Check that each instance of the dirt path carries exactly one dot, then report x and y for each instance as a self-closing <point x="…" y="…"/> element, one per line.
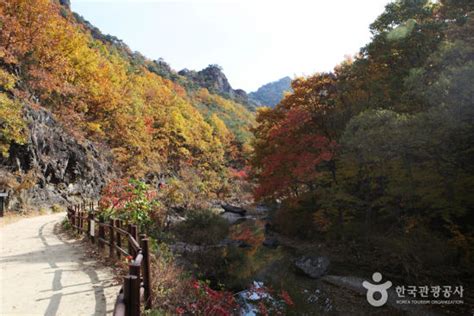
<point x="44" y="274"/>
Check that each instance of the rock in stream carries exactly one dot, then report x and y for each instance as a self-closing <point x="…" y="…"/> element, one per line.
<point x="313" y="266"/>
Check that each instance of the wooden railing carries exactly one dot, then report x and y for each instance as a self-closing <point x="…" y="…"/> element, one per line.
<point x="121" y="240"/>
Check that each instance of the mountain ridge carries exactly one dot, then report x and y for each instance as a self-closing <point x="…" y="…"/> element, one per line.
<point x="212" y="77"/>
<point x="270" y="94"/>
<point x="155" y="123"/>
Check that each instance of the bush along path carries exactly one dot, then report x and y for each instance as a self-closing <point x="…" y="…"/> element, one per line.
<point x="43" y="273"/>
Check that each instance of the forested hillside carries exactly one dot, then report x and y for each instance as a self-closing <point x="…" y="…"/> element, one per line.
<point x="376" y="156"/>
<point x="273" y="203"/>
<point x="271" y="93"/>
<point x="100" y="91"/>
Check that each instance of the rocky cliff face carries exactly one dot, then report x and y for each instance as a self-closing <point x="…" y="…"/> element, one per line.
<point x="52" y="167"/>
<point x="66" y="3"/>
<point x="213" y="79"/>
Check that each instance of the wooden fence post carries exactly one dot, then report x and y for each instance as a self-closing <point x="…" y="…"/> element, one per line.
<point x="134" y="296"/>
<point x="74" y="218"/>
<point x="81" y="222"/>
<point x="118" y="237"/>
<point x="73" y="214"/>
<point x="126" y="294"/>
<point x="91" y="227"/>
<point x="79" y="218"/>
<point x="101" y="232"/>
<point x="78" y="221"/>
<point x="130" y="248"/>
<point x="112" y="239"/>
<point x="79" y="214"/>
<point x="135" y="232"/>
<point x="134" y="271"/>
<point x="146" y="271"/>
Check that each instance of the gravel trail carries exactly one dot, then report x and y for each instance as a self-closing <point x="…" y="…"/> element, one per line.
<point x="42" y="273"/>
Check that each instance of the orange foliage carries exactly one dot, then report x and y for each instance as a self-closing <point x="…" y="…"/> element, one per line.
<point x="149" y="122"/>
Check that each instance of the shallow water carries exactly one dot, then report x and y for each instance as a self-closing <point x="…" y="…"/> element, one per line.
<point x="274" y="269"/>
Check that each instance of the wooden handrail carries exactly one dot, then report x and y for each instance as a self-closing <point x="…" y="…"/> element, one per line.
<point x="137" y="284"/>
<point x="134" y="243"/>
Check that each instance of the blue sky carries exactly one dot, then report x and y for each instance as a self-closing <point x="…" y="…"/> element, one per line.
<point x="255" y="41"/>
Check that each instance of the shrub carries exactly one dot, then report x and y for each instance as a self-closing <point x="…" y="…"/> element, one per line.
<point x="43" y="211"/>
<point x="406" y="253"/>
<point x="208" y="301"/>
<point x="188" y="190"/>
<point x="66" y="224"/>
<point x="132" y="200"/>
<point x="168" y="281"/>
<point x="296" y="221"/>
<point x="56" y="208"/>
<point x="175" y="292"/>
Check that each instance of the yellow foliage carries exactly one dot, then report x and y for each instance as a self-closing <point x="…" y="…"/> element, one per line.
<point x="12" y="125"/>
<point x="150" y="123"/>
<point x="7" y="80"/>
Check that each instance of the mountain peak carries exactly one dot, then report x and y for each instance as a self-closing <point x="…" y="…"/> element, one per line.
<point x="213" y="79"/>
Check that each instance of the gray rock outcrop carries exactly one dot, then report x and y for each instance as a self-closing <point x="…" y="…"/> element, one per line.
<point x="313" y="266"/>
<point x="60" y="169"/>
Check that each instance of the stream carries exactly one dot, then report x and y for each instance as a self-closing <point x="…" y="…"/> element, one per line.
<point x="269" y="264"/>
<point x="267" y="272"/>
<point x="260" y="267"/>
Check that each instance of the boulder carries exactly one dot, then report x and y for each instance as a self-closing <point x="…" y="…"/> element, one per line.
<point x="234" y="209"/>
<point x="271" y="242"/>
<point x="173" y="219"/>
<point x="183" y="248"/>
<point x="313" y="266"/>
<point x="232" y="218"/>
<point x="262" y="208"/>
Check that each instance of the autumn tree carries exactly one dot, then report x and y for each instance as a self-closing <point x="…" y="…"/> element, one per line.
<point x="100" y="90"/>
<point x="400" y="113"/>
<point x="295" y="139"/>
